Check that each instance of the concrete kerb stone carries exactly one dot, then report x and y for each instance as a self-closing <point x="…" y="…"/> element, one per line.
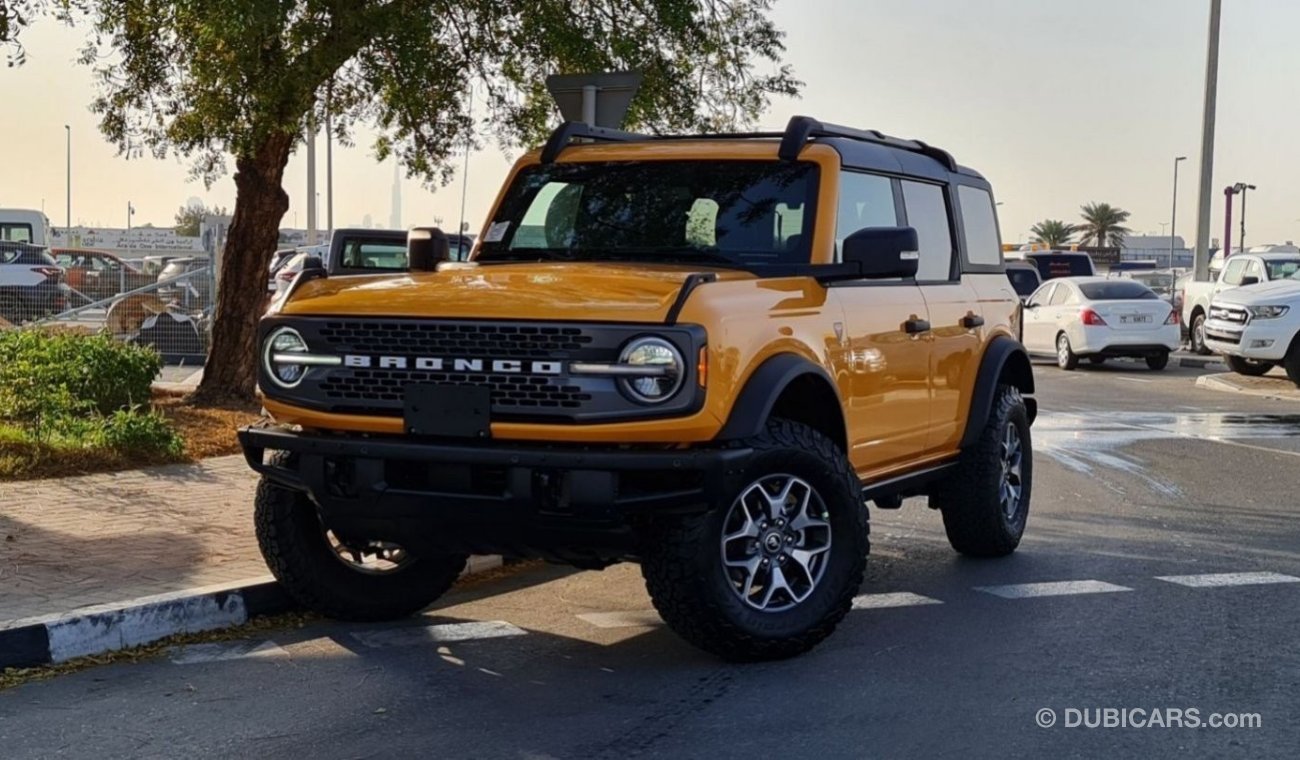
<point x="1265" y="387"/>
<point x="52" y="639"/>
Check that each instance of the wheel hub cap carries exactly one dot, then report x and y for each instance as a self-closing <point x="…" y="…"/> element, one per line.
<point x="776" y="542"/>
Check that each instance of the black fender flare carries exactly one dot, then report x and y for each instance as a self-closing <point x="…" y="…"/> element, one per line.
<point x="754" y="403"/>
<point x="1004" y="355"/>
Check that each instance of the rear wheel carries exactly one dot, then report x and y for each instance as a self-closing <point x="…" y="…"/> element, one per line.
<point x="1196" y="335"/>
<point x="1158" y="361"/>
<point x="1248" y="367"/>
<point x="1065" y="357"/>
<point x="347" y="579"/>
<point x="1292" y="362"/>
<point x="769" y="574"/>
<point x="985" y="503"/>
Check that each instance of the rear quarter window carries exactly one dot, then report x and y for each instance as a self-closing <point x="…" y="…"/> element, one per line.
<point x="980" y="226"/>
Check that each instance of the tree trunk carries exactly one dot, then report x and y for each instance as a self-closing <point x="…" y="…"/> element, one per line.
<point x="230" y="374"/>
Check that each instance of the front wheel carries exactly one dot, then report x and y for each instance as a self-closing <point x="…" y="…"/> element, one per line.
<point x="770" y="573"/>
<point x="346" y="580"/>
<point x="1197" y="335"/>
<point x="985" y="502"/>
<point x="1158" y="361"/>
<point x="1247" y="367"/>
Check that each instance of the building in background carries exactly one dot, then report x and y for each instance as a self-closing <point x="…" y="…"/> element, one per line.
<point x="395" y="221"/>
<point x="1157" y="248"/>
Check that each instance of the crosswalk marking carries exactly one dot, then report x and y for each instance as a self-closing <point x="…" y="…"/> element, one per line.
<point x="894" y="599"/>
<point x="624" y="619"/>
<point x="1213" y="580"/>
<point x="437" y="634"/>
<point x="1054" y="588"/>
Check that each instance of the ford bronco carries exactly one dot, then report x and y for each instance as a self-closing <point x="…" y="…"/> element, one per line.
<point x="706" y="354"/>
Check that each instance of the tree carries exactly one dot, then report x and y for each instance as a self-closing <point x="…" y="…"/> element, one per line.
<point x="1053" y="232"/>
<point x="243" y="78"/>
<point x="1104" y="224"/>
<point x="190" y="216"/>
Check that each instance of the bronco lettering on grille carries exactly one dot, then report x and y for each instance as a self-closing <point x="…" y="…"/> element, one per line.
<point x="437" y="364"/>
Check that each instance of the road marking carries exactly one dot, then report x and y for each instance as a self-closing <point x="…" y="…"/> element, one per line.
<point x="1054" y="588"/>
<point x="437" y="634"/>
<point x="626" y="619"/>
<point x="895" y="599"/>
<point x="1133" y="379"/>
<point x="194" y="654"/>
<point x="1215" y="580"/>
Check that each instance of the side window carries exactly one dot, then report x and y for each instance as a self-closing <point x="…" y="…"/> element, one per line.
<point x="980" y="226"/>
<point x="866" y="200"/>
<point x="1040" y="298"/>
<point x="1233" y="273"/>
<point x="1061" y="296"/>
<point x="927" y="213"/>
<point x="1253" y="269"/>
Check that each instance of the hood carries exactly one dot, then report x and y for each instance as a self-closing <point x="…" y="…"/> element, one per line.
<point x="562" y="291"/>
<point x="1263" y="294"/>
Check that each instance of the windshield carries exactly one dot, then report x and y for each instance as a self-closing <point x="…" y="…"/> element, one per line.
<point x="1116" y="290"/>
<point x="731" y="213"/>
<point x="1280" y="270"/>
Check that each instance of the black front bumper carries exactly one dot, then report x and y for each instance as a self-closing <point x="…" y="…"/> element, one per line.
<point x="491" y="497"/>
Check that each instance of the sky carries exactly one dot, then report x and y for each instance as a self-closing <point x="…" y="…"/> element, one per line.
<point x="1057" y="102"/>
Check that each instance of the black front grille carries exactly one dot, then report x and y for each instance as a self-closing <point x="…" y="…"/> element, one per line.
<point x="362" y="387"/>
<point x="504" y="341"/>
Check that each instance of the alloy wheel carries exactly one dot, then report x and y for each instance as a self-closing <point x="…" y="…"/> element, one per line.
<point x="776" y="541"/>
<point x="1011" y="484"/>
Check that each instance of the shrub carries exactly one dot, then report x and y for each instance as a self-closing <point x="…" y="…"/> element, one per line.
<point x="139" y="432"/>
<point x="45" y="375"/>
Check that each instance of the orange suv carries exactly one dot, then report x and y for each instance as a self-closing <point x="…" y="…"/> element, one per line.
<point x="703" y="353"/>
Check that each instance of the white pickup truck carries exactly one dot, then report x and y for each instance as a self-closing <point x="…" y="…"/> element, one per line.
<point x="1241" y="269"/>
<point x="1257" y="328"/>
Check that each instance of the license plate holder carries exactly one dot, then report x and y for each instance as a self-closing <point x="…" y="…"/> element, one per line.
<point x="455" y="411"/>
<point x="1135" y="319"/>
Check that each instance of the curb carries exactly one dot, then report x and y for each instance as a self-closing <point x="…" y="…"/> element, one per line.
<point x="52" y="639"/>
<point x="1201" y="362"/>
<point x="1225" y="384"/>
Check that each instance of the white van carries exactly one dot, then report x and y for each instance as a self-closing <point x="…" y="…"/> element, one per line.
<point x="21" y="225"/>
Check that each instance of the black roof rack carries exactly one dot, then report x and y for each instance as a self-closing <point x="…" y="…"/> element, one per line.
<point x="797" y="133"/>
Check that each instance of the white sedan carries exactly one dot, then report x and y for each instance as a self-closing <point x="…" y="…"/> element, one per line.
<point x="1099" y="319"/>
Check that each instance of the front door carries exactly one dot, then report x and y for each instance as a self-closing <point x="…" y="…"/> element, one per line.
<point x="1039" y="326"/>
<point x="885" y="339"/>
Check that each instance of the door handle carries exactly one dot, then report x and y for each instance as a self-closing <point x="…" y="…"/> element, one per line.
<point x="914" y="326"/>
<point x="970" y="321"/>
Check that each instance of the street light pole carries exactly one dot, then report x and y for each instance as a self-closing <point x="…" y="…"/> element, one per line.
<point x="1173" y="217"/>
<point x="1202" y="252"/>
<point x="1242" y="187"/>
<point x="68" y="129"/>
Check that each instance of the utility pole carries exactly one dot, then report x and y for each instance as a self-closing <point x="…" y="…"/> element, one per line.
<point x="130" y="210"/>
<point x="1173" y="217"/>
<point x="464" y="175"/>
<point x="1228" y="192"/>
<point x="329" y="157"/>
<point x="311" y="180"/>
<point x="1202" y="252"/>
<point x="1242" y="187"/>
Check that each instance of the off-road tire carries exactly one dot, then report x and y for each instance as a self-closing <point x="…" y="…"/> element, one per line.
<point x="1247" y="367"/>
<point x="1158" y="362"/>
<point x="1066" y="359"/>
<point x="1196" y="335"/>
<point x="969" y="500"/>
<point x="681" y="562"/>
<point x="293" y="543"/>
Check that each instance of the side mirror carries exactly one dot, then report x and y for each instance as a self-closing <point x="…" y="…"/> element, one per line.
<point x="883" y="252"/>
<point x="1249" y="279"/>
<point x="426" y="248"/>
<point x="1031" y="305"/>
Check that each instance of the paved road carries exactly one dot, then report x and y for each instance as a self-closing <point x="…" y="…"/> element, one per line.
<point x="1163" y="525"/>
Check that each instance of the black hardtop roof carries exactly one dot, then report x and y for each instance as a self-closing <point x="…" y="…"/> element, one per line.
<point x="858" y="148"/>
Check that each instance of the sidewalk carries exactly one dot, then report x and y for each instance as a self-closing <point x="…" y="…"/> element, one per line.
<point x="101" y="539"/>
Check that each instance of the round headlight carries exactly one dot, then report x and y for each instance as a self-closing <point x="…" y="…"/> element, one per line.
<point x="276" y="356"/>
<point x="664" y="367"/>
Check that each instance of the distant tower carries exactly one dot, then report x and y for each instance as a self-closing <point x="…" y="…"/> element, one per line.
<point x="367" y="222"/>
<point x="395" y="221"/>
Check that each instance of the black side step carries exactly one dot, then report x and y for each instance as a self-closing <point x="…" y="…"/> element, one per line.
<point x="902" y="486"/>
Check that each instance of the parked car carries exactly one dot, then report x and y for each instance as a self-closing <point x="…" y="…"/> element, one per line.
<point x="31" y="283"/>
<point x="23" y="225"/>
<point x="99" y="274"/>
<point x="1024" y="278"/>
<point x="1053" y="264"/>
<point x="1238" y="270"/>
<point x="1098" y="319"/>
<point x="1257" y="328"/>
<point x="1161" y="281"/>
<point x="193" y="292"/>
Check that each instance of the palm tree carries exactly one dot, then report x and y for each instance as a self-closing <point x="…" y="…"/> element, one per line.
<point x="1104" y="224"/>
<point x="1054" y="233"/>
